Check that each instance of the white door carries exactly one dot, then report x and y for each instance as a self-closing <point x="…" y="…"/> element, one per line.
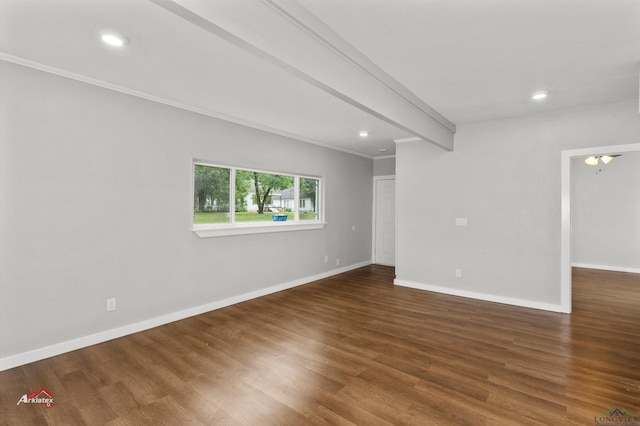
<point x="385" y="222"/>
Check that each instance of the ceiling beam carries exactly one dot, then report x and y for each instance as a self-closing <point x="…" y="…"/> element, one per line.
<point x="289" y="36"/>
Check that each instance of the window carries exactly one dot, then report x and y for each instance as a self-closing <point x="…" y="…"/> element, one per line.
<point x="211" y="194"/>
<point x="262" y="201"/>
<point x="309" y="190"/>
<point x="260" y="196"/>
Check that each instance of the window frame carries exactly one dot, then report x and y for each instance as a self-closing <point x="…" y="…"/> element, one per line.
<point x="205" y="230"/>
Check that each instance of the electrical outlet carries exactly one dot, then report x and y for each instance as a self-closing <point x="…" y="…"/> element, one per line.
<point x="337" y="262"/>
<point x="353" y="227"/>
<point x="111" y="304"/>
<point x="458" y="273"/>
<point x="326" y="259"/>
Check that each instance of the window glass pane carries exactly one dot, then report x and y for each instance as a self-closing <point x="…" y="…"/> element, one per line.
<point x="309" y="193"/>
<point x="211" y="194"/>
<point x="264" y="197"/>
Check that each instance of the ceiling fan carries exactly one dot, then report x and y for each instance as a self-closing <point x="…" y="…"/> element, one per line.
<point x="594" y="160"/>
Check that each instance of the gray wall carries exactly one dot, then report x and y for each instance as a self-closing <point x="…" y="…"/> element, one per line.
<point x="504" y="176"/>
<point x="605" y="213"/>
<point x="384" y="166"/>
<point x="95" y="203"/>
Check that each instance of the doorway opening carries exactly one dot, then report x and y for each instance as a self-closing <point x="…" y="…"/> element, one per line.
<point x="565" y="238"/>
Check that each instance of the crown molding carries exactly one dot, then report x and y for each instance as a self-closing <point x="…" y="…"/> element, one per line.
<point x="149" y="97"/>
<point x="405" y="140"/>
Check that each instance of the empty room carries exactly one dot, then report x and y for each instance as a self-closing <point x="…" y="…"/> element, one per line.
<point x="319" y="212"/>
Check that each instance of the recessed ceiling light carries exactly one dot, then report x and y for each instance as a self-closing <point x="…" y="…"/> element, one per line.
<point x="382" y="150"/>
<point x="538" y="96"/>
<point x="364" y="134"/>
<point x="114" y="39"/>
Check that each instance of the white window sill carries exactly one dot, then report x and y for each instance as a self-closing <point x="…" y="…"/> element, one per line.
<point x="206" y="231"/>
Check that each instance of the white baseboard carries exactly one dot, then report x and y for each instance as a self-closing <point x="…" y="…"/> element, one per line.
<point x="103" y="336"/>
<point x="605" y="267"/>
<point x="482" y="296"/>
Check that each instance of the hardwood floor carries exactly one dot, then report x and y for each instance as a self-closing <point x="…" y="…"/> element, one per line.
<point x="355" y="349"/>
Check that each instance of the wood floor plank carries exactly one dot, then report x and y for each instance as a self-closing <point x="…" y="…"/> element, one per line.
<point x="351" y="350"/>
<point x="321" y="416"/>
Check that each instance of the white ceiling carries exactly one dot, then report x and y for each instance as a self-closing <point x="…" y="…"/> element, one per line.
<point x="322" y="70"/>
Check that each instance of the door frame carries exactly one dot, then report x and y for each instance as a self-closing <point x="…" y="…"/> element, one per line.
<point x="373" y="224"/>
<point x="565" y="232"/>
